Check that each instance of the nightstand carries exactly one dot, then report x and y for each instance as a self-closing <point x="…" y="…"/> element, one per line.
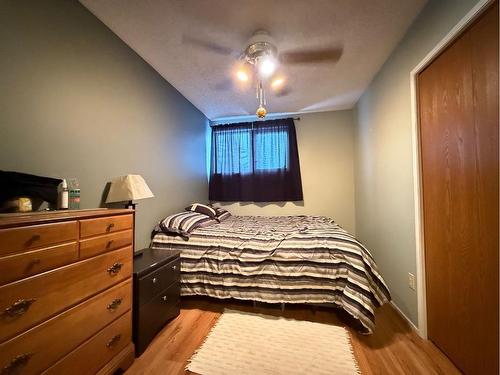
<point x="156" y="294"/>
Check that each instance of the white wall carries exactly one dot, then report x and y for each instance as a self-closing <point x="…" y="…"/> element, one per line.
<point x="325" y="142"/>
<point x="384" y="178"/>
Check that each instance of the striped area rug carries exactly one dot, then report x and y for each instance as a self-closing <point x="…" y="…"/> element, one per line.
<point x="249" y="344"/>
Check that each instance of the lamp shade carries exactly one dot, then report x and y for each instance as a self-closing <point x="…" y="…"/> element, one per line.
<point x="128" y="188"/>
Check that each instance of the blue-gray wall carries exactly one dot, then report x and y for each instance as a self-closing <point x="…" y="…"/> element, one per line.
<point x="383" y="178"/>
<point x="75" y="101"/>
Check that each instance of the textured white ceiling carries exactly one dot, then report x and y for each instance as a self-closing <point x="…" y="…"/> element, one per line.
<point x="368" y="30"/>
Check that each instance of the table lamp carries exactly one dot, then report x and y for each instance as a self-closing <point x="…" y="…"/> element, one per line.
<point x="128" y="188"/>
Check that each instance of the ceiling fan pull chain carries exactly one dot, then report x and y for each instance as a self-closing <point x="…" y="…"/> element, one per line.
<point x="261" y="94"/>
<point x="262" y="100"/>
<point x="261" y="111"/>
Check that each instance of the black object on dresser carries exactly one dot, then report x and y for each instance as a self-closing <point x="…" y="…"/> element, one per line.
<point x="156" y="294"/>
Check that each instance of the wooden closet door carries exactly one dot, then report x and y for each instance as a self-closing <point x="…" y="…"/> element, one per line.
<point x="458" y="116"/>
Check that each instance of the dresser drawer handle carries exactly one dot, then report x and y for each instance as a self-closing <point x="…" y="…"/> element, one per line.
<point x="35" y="237"/>
<point x="110" y="226"/>
<point x="19" y="307"/>
<point x="154" y="280"/>
<point x="113" y="340"/>
<point x="14" y="366"/>
<point x="114" y="304"/>
<point x="164" y="298"/>
<point x="34" y="262"/>
<point x="174" y="267"/>
<point x="108" y="245"/>
<point x="115" y="268"/>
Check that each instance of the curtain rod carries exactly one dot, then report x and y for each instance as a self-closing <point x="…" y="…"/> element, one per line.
<point x="278" y="118"/>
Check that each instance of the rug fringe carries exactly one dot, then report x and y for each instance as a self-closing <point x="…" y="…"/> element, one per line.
<point x="351" y="349"/>
<point x="203" y="343"/>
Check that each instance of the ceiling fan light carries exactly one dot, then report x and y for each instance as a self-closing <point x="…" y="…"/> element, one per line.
<point x="277" y="82"/>
<point x="266" y="66"/>
<point x="242" y="75"/>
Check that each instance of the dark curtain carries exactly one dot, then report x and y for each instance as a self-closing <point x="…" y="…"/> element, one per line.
<point x="255" y="162"/>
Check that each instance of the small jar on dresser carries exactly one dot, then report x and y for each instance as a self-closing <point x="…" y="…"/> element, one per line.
<point x="156" y="293"/>
<point x="66" y="292"/>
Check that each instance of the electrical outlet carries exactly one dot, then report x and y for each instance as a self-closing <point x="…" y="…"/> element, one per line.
<point x="411" y="281"/>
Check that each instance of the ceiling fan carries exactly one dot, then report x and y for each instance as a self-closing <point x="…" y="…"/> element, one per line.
<point x="261" y="60"/>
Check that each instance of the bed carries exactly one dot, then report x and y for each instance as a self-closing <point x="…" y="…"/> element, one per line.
<point x="285" y="259"/>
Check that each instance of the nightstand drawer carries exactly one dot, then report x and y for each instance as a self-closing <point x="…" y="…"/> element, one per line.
<point x="151" y="317"/>
<point x="155" y="282"/>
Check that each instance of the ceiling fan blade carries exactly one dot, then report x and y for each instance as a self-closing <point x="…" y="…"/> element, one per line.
<point x="310" y="55"/>
<point x="224" y="85"/>
<point x="283" y="92"/>
<point x="208" y="45"/>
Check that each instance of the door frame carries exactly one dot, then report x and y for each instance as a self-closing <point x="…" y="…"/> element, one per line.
<point x="456" y="31"/>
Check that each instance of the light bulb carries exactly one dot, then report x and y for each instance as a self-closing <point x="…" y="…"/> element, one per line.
<point x="277" y="82"/>
<point x="242" y="75"/>
<point x="266" y="66"/>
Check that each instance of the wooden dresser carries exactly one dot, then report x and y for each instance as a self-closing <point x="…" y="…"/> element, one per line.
<point x="66" y="292"/>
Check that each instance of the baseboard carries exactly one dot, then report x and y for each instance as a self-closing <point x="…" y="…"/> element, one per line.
<point x="402" y="314"/>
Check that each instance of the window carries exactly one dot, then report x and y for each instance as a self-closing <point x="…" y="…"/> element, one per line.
<point x="246" y="149"/>
<point x="248" y="158"/>
<point x="271" y="149"/>
<point x="233" y="150"/>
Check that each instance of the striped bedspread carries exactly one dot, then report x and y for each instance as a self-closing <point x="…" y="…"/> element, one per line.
<point x="286" y="259"/>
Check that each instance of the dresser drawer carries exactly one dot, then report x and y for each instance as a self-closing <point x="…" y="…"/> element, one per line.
<point x="107" y="242"/>
<point x="18" y="266"/>
<point x="93" y="354"/>
<point x="159" y="280"/>
<point x="35" y="350"/>
<point x="13" y="240"/>
<point x="103" y="225"/>
<point x="152" y="317"/>
<point x="27" y="302"/>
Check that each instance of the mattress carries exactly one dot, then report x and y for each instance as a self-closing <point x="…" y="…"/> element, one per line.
<point x="284" y="259"/>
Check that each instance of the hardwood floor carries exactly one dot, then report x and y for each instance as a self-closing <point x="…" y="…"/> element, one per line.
<point x="394" y="348"/>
